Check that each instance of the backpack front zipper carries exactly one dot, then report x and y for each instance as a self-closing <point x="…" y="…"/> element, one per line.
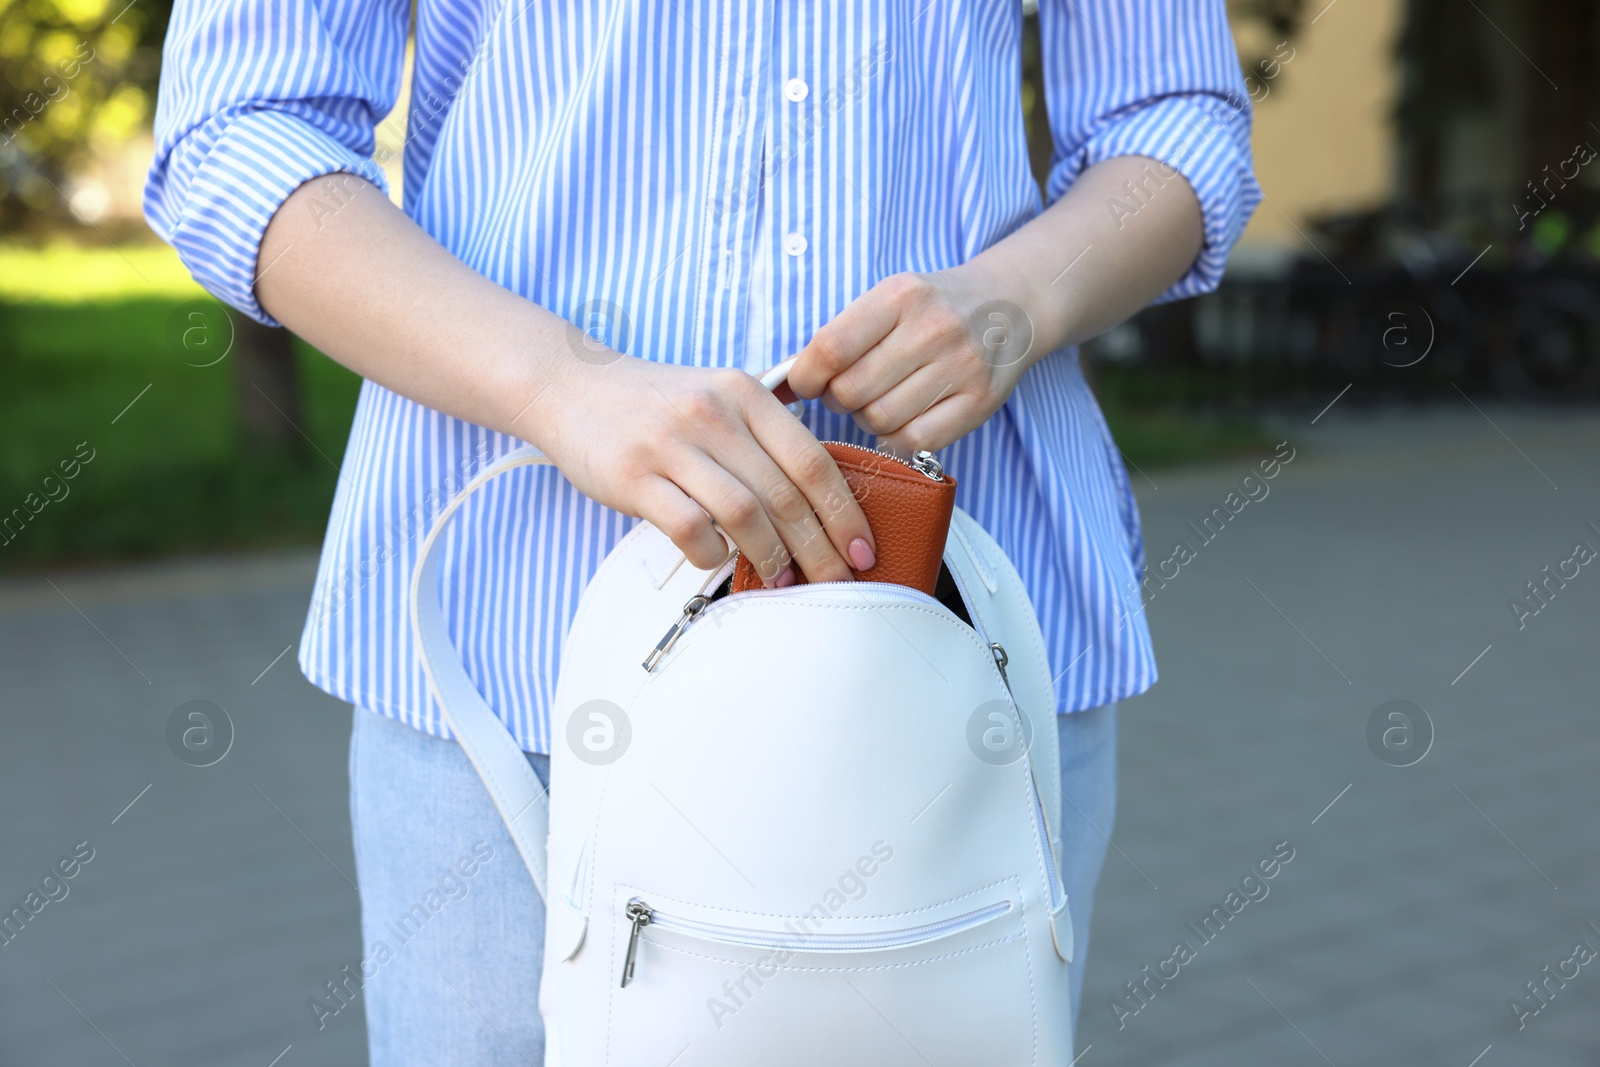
<point x="640" y="915"/>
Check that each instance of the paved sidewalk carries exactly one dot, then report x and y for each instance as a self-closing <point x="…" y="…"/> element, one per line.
<point x="217" y="903"/>
<point x="1417" y="905"/>
<point x="1418" y="901"/>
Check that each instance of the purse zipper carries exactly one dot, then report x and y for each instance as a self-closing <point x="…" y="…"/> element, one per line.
<point x="922" y="461"/>
<point x="640" y="915"/>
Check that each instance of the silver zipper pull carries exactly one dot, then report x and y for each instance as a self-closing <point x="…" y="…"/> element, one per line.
<point x="693" y="608"/>
<point x="998" y="651"/>
<point x="638" y="912"/>
<point x="927" y="464"/>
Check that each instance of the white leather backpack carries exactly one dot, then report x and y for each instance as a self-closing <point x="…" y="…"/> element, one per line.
<point x="806" y="826"/>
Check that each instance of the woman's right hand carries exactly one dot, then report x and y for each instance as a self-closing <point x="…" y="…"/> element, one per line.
<point x="685" y="446"/>
<point x="679" y="446"/>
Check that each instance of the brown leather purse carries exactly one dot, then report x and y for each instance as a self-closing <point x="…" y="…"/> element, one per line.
<point x="908" y="504"/>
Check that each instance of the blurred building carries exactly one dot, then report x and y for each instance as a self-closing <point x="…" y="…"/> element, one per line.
<point x="1324" y="135"/>
<point x="1470" y="119"/>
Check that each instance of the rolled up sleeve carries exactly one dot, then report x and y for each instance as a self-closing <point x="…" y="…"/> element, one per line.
<point x="257" y="97"/>
<point x="1155" y="78"/>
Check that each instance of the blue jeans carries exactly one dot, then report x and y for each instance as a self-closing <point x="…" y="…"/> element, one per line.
<point x="453" y="931"/>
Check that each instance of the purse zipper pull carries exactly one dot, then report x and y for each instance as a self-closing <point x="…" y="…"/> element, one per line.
<point x="926" y="463"/>
<point x="691" y="610"/>
<point x="639" y="913"/>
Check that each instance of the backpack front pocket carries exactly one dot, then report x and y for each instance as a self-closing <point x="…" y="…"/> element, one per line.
<point x="947" y="984"/>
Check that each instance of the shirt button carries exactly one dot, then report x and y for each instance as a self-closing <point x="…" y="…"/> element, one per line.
<point x="795" y="89"/>
<point x="794" y="244"/>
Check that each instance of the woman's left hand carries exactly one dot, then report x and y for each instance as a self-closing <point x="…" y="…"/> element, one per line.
<point x="923" y="359"/>
<point x="920" y="360"/>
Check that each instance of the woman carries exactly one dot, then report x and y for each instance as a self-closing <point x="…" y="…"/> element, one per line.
<point x="613" y="215"/>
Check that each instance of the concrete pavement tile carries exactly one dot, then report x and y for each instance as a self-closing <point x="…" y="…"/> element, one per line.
<point x="1396" y="935"/>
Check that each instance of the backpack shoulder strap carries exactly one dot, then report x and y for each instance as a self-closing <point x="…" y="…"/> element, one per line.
<point x="517" y="792"/>
<point x="522" y="800"/>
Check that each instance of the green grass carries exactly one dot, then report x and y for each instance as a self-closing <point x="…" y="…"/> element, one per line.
<point x="171" y="473"/>
<point x="66" y="273"/>
<point x="83" y="332"/>
<point x="1159" y="437"/>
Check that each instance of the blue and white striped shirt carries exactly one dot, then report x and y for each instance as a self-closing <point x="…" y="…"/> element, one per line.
<point x="652" y="172"/>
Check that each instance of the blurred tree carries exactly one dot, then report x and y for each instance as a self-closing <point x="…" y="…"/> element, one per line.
<point x="76" y="77"/>
<point x="1280" y="19"/>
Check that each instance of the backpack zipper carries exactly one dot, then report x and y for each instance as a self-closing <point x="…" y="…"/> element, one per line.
<point x="698" y="604"/>
<point x="921" y="461"/>
<point x="1042" y="827"/>
<point x="640" y="915"/>
<point x="691" y="611"/>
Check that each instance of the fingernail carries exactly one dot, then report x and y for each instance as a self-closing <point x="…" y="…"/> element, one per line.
<point x="785" y="579"/>
<point x="861" y="554"/>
